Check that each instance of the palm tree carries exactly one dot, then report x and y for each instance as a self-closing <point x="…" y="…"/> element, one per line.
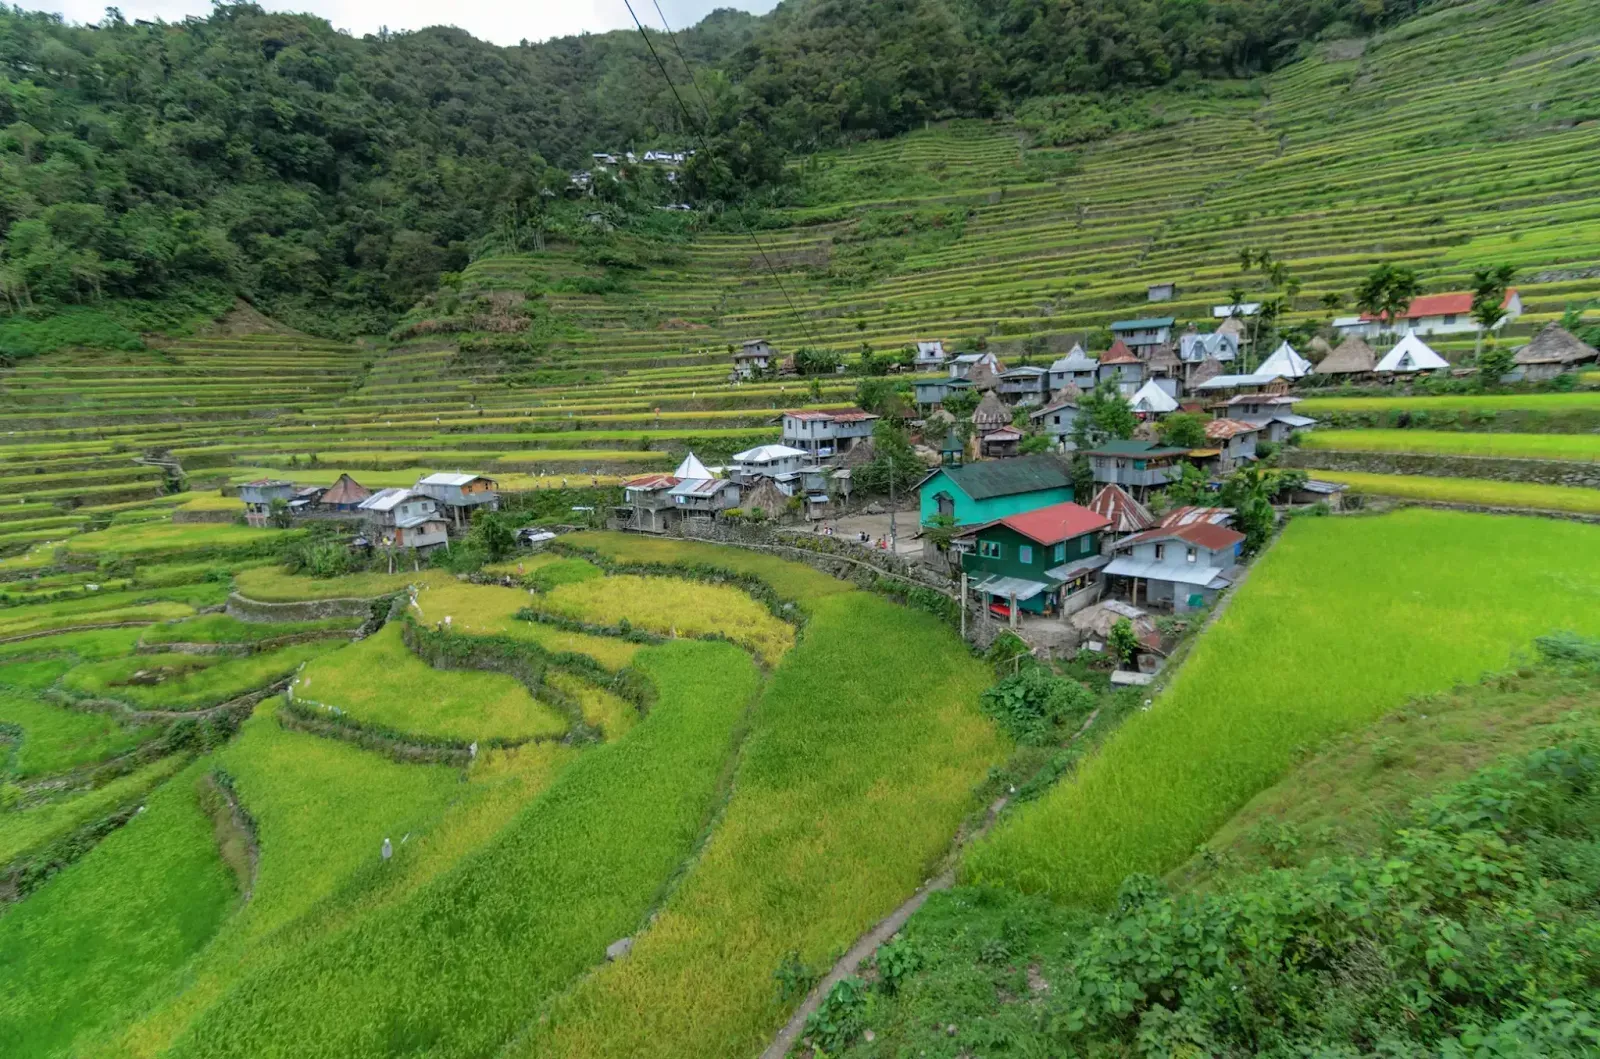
<point x="1488" y="299"/>
<point x="1388" y="292"/>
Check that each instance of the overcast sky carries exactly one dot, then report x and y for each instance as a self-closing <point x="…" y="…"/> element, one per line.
<point x="502" y="21"/>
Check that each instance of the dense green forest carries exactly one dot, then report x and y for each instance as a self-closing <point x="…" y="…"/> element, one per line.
<point x="157" y="170"/>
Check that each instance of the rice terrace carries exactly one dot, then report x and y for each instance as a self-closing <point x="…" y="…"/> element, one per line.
<point x="880" y="530"/>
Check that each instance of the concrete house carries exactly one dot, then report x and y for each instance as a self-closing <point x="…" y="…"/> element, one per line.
<point x="405" y="518"/>
<point x="1553" y="351"/>
<point x="1161" y="292"/>
<point x="1233" y="442"/>
<point x="1119" y="365"/>
<point x="753" y="358"/>
<point x="1144" y="333"/>
<point x="824" y="435"/>
<point x="1273" y="412"/>
<point x="930" y="392"/>
<point x="655" y="503"/>
<point x="1431" y="314"/>
<point x="992" y="489"/>
<point x="459" y="495"/>
<point x="1182" y="567"/>
<point x="930" y="355"/>
<point x="1057" y="419"/>
<point x="963" y="365"/>
<point x="1044" y="561"/>
<point x="767" y="461"/>
<point x="1195" y="349"/>
<point x="259" y="495"/>
<point x="1077" y="368"/>
<point x="1137" y="466"/>
<point x="1025" y="387"/>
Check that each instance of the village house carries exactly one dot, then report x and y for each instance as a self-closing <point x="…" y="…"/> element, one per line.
<point x="753" y="358"/>
<point x="825" y="435"/>
<point x="1233" y="442"/>
<point x="991" y="414"/>
<point x="1350" y="360"/>
<point x="1025" y="387"/>
<point x="1161" y="292"/>
<point x="931" y="392"/>
<point x="1152" y="400"/>
<point x="1057" y="419"/>
<point x="1182" y="566"/>
<point x="1001" y="443"/>
<point x="1431" y="314"/>
<point x="767" y="461"/>
<point x="1273" y="412"/>
<point x="1239" y="311"/>
<point x="459" y="495"/>
<point x="964" y="364"/>
<point x="1119" y="365"/>
<point x="1144" y="333"/>
<point x="405" y="519"/>
<point x="1409" y="356"/>
<point x="655" y="503"/>
<point x="1044" y="561"/>
<point x="1195" y="349"/>
<point x="1164" y="368"/>
<point x="1077" y="368"/>
<point x="930" y="355"/>
<point x="992" y="489"/>
<point x="259" y="495"/>
<point x="1125" y="514"/>
<point x="345" y="494"/>
<point x="1552" y="351"/>
<point x="1138" y="466"/>
<point x="1285" y="363"/>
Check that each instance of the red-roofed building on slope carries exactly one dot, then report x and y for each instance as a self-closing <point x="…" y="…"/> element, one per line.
<point x="1182" y="566"/>
<point x="822" y="435"/>
<point x="1045" y="561"/>
<point x="1430" y="314"/>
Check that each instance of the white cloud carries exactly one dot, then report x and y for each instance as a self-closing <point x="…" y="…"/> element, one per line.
<point x="501" y="21"/>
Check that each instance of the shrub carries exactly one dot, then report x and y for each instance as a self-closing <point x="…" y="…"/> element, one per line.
<point x="841" y="1016"/>
<point x="897" y="961"/>
<point x="1032" y="702"/>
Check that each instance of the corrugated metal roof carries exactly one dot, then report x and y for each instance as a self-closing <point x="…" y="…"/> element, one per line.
<point x="1058" y="522"/>
<point x="1190" y="515"/>
<point x="385" y="499"/>
<point x="1147" y="323"/>
<point x="651" y="481"/>
<point x="987" y="479"/>
<point x="1205" y="534"/>
<point x="1125" y="514"/>
<point x="1125" y="566"/>
<point x="1067" y="571"/>
<point x="408" y="521"/>
<point x="1006" y="587"/>
<point x="767" y="453"/>
<point x="1119" y="353"/>
<point x="448" y="478"/>
<point x="698" y="487"/>
<point x="1224" y="429"/>
<point x="1136" y="450"/>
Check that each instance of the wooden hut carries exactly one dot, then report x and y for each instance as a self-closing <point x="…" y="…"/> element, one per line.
<point x="1553" y="351"/>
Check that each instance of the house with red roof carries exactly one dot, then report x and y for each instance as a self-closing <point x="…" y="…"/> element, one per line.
<point x="1045" y="561"/>
<point x="1183" y="566"/>
<point x="1119" y="365"/>
<point x="1430" y="314"/>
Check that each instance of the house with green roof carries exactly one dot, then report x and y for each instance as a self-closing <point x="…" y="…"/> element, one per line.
<point x="1136" y="465"/>
<point x="989" y="490"/>
<point x="1045" y="561"/>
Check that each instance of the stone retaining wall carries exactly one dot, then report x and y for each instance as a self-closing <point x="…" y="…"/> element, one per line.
<point x="1493" y="468"/>
<point x="246" y="609"/>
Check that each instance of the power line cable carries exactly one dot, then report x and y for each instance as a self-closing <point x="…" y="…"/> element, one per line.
<point x="705" y="145"/>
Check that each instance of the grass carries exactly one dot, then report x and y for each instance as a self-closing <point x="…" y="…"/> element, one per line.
<point x="864" y="752"/>
<point x="55" y="739"/>
<point x="1574" y="447"/>
<point x="1481" y="491"/>
<point x="222" y="629"/>
<point x="213" y="502"/>
<point x="185" y="682"/>
<point x="1495" y="402"/>
<point x="491" y="610"/>
<point x="793" y="581"/>
<point x="458" y="967"/>
<point x="86" y="945"/>
<point x="380" y="682"/>
<point x="37" y="824"/>
<point x="269" y="584"/>
<point x="610" y="713"/>
<point x="37" y="620"/>
<point x="675" y="608"/>
<point x="1304" y="653"/>
<point x="1340" y="802"/>
<point x="164" y="538"/>
<point x="87" y="645"/>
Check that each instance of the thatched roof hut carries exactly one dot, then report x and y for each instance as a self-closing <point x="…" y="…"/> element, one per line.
<point x="1353" y="357"/>
<point x="1556" y="346"/>
<point x="991" y="413"/>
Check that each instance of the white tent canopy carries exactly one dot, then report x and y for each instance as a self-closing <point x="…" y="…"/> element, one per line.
<point x="691" y="467"/>
<point x="1286" y="362"/>
<point x="1411" y="354"/>
<point x="1152" y="398"/>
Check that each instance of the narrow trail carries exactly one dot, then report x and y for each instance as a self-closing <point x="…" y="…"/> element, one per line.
<point x="886" y="927"/>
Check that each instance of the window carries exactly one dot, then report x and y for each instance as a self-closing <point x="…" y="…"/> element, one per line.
<point x="989" y="549"/>
<point x="1449" y="318"/>
<point x="1061" y="552"/>
<point x="1192" y="555"/>
<point x="1025" y="554"/>
<point x="946" y="504"/>
<point x="1161" y="552"/>
<point x="1088" y="545"/>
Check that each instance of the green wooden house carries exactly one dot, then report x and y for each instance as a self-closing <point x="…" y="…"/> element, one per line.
<point x="976" y="493"/>
<point x="1040" y="559"/>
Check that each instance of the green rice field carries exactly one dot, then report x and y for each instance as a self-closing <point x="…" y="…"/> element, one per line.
<point x="1478" y="491"/>
<point x="1341" y="621"/>
<point x="1577" y="448"/>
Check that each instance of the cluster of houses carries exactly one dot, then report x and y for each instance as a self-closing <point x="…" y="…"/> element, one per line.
<point x="807" y="470"/>
<point x="421" y="518"/>
<point x="605" y="161"/>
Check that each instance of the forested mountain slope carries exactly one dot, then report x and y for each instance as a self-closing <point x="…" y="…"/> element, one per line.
<point x="330" y="179"/>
